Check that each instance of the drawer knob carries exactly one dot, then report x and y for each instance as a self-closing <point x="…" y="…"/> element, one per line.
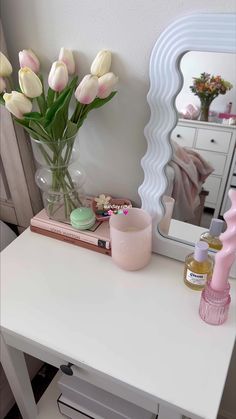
<point x="66" y="369"/>
<point x="178" y="136"/>
<point x="212" y="140"/>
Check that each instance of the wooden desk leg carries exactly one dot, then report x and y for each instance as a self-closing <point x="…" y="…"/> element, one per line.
<point x="166" y="412"/>
<point x="13" y="362"/>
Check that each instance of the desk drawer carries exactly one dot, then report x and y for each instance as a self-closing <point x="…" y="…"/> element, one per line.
<point x="216" y="160"/>
<point x="213" y="140"/>
<point x="212" y="185"/>
<point x="75" y="411"/>
<point x="184" y="136"/>
<point x="99" y="402"/>
<point x="71" y="410"/>
<point x="116" y="387"/>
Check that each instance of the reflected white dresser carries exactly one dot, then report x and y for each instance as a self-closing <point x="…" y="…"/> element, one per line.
<point x="215" y="143"/>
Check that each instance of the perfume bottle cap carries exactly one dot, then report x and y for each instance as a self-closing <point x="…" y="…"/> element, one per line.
<point x="216" y="227"/>
<point x="201" y="251"/>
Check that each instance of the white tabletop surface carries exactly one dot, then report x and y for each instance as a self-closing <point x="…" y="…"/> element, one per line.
<point x="142" y="327"/>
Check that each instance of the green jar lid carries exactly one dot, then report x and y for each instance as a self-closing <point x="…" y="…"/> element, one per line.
<point x="82" y="217"/>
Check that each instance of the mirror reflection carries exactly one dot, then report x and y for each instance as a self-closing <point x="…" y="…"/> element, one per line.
<point x="203" y="164"/>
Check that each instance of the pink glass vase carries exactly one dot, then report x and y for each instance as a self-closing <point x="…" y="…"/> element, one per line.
<point x="214" y="305"/>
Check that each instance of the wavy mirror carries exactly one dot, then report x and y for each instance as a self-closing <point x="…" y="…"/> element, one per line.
<point x="176" y="227"/>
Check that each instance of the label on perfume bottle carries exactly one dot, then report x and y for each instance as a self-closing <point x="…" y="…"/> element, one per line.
<point x="196" y="279"/>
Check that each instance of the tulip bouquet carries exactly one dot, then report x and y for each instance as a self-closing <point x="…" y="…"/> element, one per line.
<point x="47" y="116"/>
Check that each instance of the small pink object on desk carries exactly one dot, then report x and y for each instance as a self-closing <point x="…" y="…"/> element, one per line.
<point x="227" y="115"/>
<point x="215" y="299"/>
<point x="131" y="239"/>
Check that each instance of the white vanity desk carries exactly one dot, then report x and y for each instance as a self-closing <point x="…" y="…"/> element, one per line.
<point x="138" y="334"/>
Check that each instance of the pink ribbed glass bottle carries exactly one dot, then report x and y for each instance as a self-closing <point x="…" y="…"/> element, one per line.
<point x="214" y="305"/>
<point x="215" y="299"/>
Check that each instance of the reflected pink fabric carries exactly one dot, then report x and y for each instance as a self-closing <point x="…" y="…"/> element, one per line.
<point x="191" y="171"/>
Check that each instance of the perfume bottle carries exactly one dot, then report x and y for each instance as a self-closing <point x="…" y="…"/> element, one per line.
<point x="198" y="267"/>
<point x="229" y="107"/>
<point x="212" y="236"/>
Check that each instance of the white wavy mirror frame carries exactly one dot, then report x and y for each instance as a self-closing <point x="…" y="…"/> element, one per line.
<point x="198" y="32"/>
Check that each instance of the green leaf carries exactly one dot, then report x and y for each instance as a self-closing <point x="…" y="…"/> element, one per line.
<point x="73" y="82"/>
<point x="59" y="121"/>
<point x="2" y="101"/>
<point x="25" y="125"/>
<point x="71" y="129"/>
<point x="23" y="122"/>
<point x="97" y="103"/>
<point x="39" y="129"/>
<point x="32" y="115"/>
<point x="52" y="110"/>
<point x="60" y="100"/>
<point x="50" y="97"/>
<point x="41" y="104"/>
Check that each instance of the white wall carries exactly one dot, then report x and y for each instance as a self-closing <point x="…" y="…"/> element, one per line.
<point x="194" y="63"/>
<point x="112" y="139"/>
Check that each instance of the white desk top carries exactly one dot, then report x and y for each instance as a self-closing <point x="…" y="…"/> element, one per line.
<point x="142" y="327"/>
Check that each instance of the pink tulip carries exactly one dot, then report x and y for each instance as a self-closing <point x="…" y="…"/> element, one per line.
<point x="58" y="76"/>
<point x="106" y="84"/>
<point x="66" y="56"/>
<point x="87" y="89"/>
<point x="28" y="59"/>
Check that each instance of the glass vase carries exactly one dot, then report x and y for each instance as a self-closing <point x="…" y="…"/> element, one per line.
<point x="59" y="176"/>
<point x="204" y="111"/>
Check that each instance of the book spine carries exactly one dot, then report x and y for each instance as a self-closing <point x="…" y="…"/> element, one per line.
<point x="73" y="234"/>
<point x="70" y="240"/>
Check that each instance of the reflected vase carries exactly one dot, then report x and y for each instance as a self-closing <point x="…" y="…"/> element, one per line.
<point x="59" y="176"/>
<point x="204" y="111"/>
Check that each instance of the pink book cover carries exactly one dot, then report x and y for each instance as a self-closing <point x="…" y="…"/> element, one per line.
<point x="98" y="235"/>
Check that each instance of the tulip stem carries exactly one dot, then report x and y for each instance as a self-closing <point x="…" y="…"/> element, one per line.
<point x="77" y="113"/>
<point x="41" y="104"/>
<point x="63" y="195"/>
<point x="10" y="83"/>
<point x="43" y="98"/>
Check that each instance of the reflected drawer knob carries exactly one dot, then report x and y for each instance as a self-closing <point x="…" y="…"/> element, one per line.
<point x="66" y="369"/>
<point x="212" y="140"/>
<point x="178" y="136"/>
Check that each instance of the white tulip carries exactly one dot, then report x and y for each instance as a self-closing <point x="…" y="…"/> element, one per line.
<point x="101" y="63"/>
<point x="17" y="104"/>
<point x="67" y="57"/>
<point x="30" y="83"/>
<point x="87" y="89"/>
<point x="106" y="84"/>
<point x="5" y="66"/>
<point x="58" y="76"/>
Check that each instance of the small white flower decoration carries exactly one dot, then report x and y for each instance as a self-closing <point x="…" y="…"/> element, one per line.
<point x="102" y="201"/>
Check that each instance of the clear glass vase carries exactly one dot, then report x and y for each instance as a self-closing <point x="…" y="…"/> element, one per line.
<point x="204" y="109"/>
<point x="59" y="176"/>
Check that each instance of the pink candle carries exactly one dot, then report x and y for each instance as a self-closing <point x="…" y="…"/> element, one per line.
<point x="225" y="257"/>
<point x="131" y="239"/>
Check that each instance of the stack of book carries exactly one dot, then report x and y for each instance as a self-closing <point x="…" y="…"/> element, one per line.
<point x="97" y="238"/>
